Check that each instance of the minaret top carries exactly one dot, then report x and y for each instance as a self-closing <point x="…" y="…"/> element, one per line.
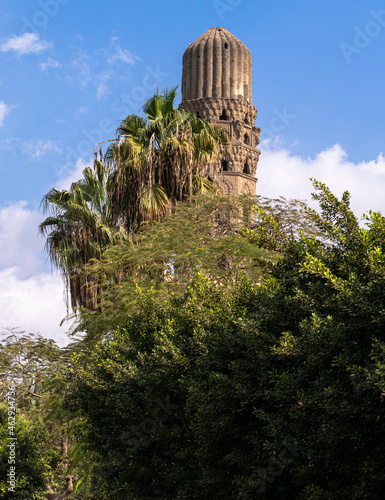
<point x="217" y="65"/>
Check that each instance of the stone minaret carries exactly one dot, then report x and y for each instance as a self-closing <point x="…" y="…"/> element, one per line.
<point x="216" y="86"/>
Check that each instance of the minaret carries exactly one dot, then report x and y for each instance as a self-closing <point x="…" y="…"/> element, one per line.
<point x="216" y="86"/>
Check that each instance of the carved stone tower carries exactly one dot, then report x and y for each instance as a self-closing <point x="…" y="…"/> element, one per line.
<point x="216" y="86"/>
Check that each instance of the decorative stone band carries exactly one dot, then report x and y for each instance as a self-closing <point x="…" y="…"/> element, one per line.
<point x="220" y="109"/>
<point x="237" y="184"/>
<point x="240" y="160"/>
<point x="237" y="118"/>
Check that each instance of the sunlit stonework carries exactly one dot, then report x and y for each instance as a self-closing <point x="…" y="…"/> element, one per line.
<point x="217" y="86"/>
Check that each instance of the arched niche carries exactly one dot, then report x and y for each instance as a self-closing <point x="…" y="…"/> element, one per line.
<point x="224" y="116"/>
<point x="224" y="165"/>
<point x="246" y="167"/>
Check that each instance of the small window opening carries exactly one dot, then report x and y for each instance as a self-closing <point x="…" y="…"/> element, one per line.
<point x="246" y="139"/>
<point x="246" y="168"/>
<point x="247" y="118"/>
<point x="224" y="165"/>
<point x="226" y="45"/>
<point x="224" y="116"/>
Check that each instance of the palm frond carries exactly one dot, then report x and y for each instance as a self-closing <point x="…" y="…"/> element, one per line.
<point x="154" y="199"/>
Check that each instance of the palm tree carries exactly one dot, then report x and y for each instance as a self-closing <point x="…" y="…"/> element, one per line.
<point x="154" y="162"/>
<point x="80" y="226"/>
<point x="159" y="159"/>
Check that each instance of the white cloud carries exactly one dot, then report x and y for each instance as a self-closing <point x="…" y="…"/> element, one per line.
<point x="50" y="63"/>
<point x="28" y="43"/>
<point x="115" y="53"/>
<point x="102" y="88"/>
<point x="73" y="175"/>
<point x="9" y="143"/>
<point x="31" y="298"/>
<point x="83" y="66"/>
<point x="20" y="244"/>
<point x="35" y="149"/>
<point x="82" y="110"/>
<point x="89" y="68"/>
<point x="282" y="173"/>
<point x="376" y="166"/>
<point x="34" y="304"/>
<point x="120" y="54"/>
<point x="38" y="148"/>
<point x="4" y="111"/>
<point x="86" y="71"/>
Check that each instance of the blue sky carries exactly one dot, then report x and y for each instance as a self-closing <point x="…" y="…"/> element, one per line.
<point x="71" y="70"/>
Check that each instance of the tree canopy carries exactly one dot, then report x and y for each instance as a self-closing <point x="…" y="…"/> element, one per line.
<point x="263" y="380"/>
<point x="156" y="160"/>
<point x="230" y="348"/>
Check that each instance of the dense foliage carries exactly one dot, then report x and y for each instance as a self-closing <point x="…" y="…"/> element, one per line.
<point x="80" y="226"/>
<point x="154" y="161"/>
<point x="24" y="470"/>
<point x="229" y="349"/>
<point x="262" y="380"/>
<point x="36" y="429"/>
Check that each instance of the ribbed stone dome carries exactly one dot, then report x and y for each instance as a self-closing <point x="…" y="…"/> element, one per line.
<point x="217" y="65"/>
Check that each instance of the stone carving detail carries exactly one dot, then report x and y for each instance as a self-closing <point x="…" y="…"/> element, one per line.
<point x="246" y="189"/>
<point x="237" y="129"/>
<point x="227" y="186"/>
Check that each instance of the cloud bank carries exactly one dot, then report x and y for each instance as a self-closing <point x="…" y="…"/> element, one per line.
<point x="282" y="173"/>
<point x="34" y="304"/>
<point x="31" y="297"/>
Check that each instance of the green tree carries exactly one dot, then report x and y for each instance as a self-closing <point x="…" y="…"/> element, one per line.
<point x="218" y="240"/>
<point x="331" y="302"/>
<point x="243" y="382"/>
<point x="160" y="158"/>
<point x="24" y="471"/>
<point x="155" y="161"/>
<point x="80" y="227"/>
<point x="180" y="300"/>
<point x="33" y="380"/>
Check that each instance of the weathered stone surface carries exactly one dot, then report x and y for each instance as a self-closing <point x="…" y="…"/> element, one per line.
<point x="216" y="86"/>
